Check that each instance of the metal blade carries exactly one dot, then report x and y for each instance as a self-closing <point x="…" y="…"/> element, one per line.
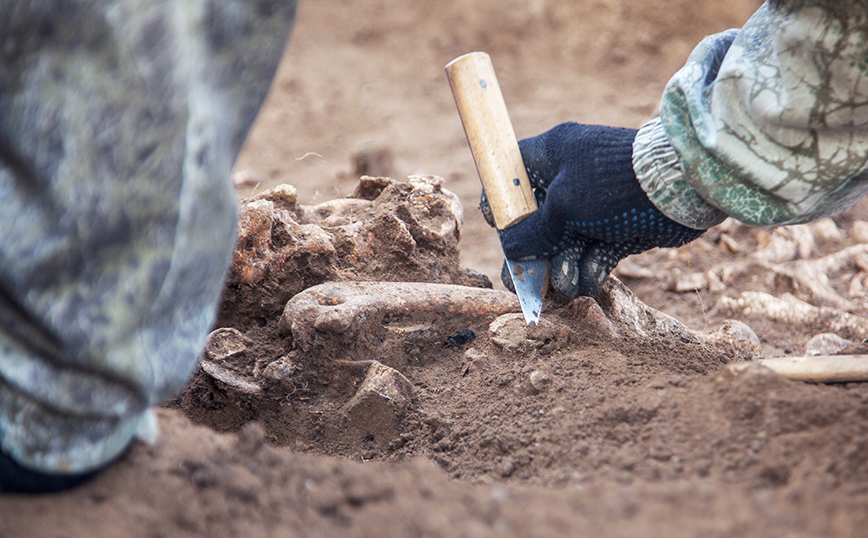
<point x="529" y="279"/>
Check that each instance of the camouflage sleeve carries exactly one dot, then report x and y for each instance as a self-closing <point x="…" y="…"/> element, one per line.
<point x="119" y="124"/>
<point x="768" y="124"/>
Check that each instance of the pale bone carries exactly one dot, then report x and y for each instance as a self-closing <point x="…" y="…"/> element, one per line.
<point x="230" y="378"/>
<point x="617" y="312"/>
<point x="785" y="244"/>
<point x="819" y="369"/>
<point x="782" y="257"/>
<point x="222" y="345"/>
<point x="790" y="310"/>
<point x="809" y="279"/>
<point x="366" y="319"/>
<point x="859" y="231"/>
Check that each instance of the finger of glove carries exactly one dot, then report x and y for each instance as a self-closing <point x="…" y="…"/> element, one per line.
<point x="506" y="277"/>
<point x="601" y="258"/>
<point x="597" y="262"/>
<point x="538" y="164"/>
<point x="582" y="270"/>
<point x="485" y="209"/>
<point x="564" y="272"/>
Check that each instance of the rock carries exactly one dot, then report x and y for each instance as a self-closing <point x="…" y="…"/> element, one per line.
<point x="540" y="380"/>
<point x="369" y="188"/>
<point x="738" y="337"/>
<point x="283" y="197"/>
<point x="391" y="230"/>
<point x="510" y="332"/>
<point x="460" y="338"/>
<point x="826" y="344"/>
<point x="378" y="406"/>
<point x="279" y="372"/>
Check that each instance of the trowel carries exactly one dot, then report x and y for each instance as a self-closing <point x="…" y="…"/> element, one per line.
<point x="499" y="164"/>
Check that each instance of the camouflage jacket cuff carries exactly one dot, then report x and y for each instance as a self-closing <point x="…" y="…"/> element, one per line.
<point x="660" y="173"/>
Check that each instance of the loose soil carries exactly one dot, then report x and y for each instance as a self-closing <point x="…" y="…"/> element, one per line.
<point x="449" y="418"/>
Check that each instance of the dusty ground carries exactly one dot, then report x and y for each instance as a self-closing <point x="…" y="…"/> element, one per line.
<point x="419" y="411"/>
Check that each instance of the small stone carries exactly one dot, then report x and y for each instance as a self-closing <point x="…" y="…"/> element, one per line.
<point x="283" y="196"/>
<point x="460" y="339"/>
<point x="859" y="231"/>
<point x="279" y="370"/>
<point x="826" y="344"/>
<point x="381" y="402"/>
<point x="512" y="333"/>
<point x="507" y="468"/>
<point x="475" y="361"/>
<point x="738" y="337"/>
<point x="540" y="380"/>
<point x="369" y="188"/>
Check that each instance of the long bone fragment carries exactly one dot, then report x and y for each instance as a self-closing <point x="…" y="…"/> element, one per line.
<point x="366" y="320"/>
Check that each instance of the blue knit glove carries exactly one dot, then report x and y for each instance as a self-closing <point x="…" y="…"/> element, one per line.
<point x="593" y="212"/>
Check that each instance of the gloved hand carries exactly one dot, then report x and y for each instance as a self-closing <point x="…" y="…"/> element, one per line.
<point x="592" y="211"/>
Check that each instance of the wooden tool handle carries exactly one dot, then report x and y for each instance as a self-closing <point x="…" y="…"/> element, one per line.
<point x="491" y="138"/>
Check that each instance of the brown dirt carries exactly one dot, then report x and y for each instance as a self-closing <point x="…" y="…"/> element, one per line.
<point x="593" y="424"/>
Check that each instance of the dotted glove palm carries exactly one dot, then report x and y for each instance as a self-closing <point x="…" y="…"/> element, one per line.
<point x="593" y="212"/>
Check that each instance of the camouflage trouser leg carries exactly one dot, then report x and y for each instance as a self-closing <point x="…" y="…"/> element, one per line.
<point x="119" y="124"/>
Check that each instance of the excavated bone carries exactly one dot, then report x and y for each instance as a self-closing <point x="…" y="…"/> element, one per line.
<point x="790" y="310"/>
<point x="617" y="313"/>
<point x="785" y="244"/>
<point x="408" y="231"/>
<point x="784" y="260"/>
<point x="370" y="320"/>
<point x="222" y="346"/>
<point x="632" y="316"/>
<point x="228" y="377"/>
